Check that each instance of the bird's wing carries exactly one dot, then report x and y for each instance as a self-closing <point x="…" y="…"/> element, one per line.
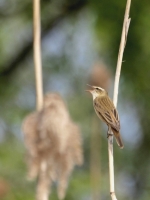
<point x="106" y="109"/>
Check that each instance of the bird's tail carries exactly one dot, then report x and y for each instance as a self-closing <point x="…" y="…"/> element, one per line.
<point x="118" y="138"/>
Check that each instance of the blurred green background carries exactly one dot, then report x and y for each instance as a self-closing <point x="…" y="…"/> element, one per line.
<point x="76" y="35"/>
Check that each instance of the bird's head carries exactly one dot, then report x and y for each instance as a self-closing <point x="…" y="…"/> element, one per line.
<point x="96" y="91"/>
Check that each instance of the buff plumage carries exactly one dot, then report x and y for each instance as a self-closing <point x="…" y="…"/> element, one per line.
<point x="107" y="112"/>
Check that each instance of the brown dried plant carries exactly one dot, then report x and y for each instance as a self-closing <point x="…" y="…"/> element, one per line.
<point x="100" y="75"/>
<point x="31" y="138"/>
<point x="4" y="188"/>
<point x="54" y="145"/>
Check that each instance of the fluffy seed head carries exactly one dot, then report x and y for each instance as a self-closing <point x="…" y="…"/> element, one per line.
<point x="53" y="144"/>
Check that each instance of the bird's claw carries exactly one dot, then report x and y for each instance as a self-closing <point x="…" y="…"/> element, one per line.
<point x="109" y="134"/>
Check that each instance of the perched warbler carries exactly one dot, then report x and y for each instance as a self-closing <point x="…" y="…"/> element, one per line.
<point x="107" y="112"/>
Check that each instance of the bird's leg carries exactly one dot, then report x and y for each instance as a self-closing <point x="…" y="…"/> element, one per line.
<point x="109" y="132"/>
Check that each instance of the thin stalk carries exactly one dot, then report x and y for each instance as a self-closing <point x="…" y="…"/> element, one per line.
<point x="42" y="185"/>
<point x="37" y="54"/>
<point x="125" y="28"/>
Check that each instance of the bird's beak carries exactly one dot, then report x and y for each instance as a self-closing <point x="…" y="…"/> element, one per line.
<point x="89" y="91"/>
<point x="91" y="86"/>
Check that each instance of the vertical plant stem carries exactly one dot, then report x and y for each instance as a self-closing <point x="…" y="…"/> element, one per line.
<point x="37" y="54"/>
<point x="42" y="185"/>
<point x="125" y="28"/>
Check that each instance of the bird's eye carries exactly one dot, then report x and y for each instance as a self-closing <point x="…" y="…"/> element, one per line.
<point x="97" y="89"/>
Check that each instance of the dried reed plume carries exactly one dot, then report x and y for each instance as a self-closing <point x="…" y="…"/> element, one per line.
<point x="31" y="138"/>
<point x="54" y="145"/>
<point x="100" y="75"/>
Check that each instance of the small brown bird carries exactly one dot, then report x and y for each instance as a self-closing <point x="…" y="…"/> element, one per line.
<point x="107" y="112"/>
